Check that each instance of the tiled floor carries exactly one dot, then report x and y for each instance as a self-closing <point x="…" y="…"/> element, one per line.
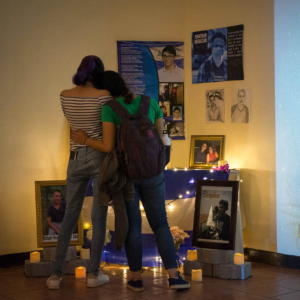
<point x="267" y="282"/>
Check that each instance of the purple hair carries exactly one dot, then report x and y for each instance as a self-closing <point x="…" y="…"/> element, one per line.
<point x="90" y="67"/>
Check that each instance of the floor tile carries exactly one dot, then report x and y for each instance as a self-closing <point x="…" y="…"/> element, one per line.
<point x="291" y="283"/>
<point x="291" y="296"/>
<point x="101" y="294"/>
<point x="267" y="290"/>
<point x="33" y="295"/>
<point x="8" y="286"/>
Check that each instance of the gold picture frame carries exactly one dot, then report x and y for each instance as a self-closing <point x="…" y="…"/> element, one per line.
<point x="46" y="192"/>
<point x="202" y="157"/>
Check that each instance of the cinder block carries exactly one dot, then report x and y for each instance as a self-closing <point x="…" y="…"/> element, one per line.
<point x="232" y="271"/>
<point x="215" y="256"/>
<point x="49" y="253"/>
<point x="188" y="266"/>
<point x="41" y="269"/>
<point x="71" y="265"/>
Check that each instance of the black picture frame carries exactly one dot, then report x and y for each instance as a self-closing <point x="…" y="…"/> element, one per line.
<point x="216" y="235"/>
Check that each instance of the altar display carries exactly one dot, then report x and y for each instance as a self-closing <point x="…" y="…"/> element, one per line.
<point x="217" y="54"/>
<point x="156" y="69"/>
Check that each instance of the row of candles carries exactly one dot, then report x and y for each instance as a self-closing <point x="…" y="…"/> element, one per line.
<point x="80" y="272"/>
<point x="197" y="274"/>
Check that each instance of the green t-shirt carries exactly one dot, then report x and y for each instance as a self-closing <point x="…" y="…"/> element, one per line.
<point x="108" y="115"/>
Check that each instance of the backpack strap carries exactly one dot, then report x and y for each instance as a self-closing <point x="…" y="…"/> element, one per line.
<point x="144" y="105"/>
<point x="118" y="108"/>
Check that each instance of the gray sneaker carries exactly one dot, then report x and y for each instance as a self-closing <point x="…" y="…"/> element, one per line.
<point x="53" y="282"/>
<point x="93" y="280"/>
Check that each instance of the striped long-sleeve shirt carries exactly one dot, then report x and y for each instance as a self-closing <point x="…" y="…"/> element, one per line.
<point x="85" y="114"/>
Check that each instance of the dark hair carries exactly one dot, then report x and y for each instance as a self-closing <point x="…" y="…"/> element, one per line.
<point x="56" y="191"/>
<point x="115" y="84"/>
<point x="177" y="108"/>
<point x="170" y="49"/>
<point x="218" y="95"/>
<point x="224" y="203"/>
<point x="219" y="35"/>
<point x="90" y="68"/>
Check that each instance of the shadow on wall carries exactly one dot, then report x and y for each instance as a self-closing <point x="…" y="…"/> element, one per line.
<point x="258" y="196"/>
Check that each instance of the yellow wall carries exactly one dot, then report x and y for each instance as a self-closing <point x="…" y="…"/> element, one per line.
<point x="42" y="43"/>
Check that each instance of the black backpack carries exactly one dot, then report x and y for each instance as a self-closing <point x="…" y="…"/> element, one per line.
<point x="140" y="149"/>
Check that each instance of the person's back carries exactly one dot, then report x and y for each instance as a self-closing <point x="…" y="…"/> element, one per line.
<point x="82" y="107"/>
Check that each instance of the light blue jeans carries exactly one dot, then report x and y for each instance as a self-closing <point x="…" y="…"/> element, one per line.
<point x="79" y="173"/>
<point x="152" y="194"/>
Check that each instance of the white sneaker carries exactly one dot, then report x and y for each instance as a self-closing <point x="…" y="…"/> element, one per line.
<point x="93" y="281"/>
<point x="53" y="282"/>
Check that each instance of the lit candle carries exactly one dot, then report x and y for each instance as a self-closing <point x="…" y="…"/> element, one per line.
<point x="80" y="272"/>
<point x="238" y="259"/>
<point x="197" y="275"/>
<point x="35" y="257"/>
<point x="222" y="163"/>
<point x="85" y="253"/>
<point x="192" y="255"/>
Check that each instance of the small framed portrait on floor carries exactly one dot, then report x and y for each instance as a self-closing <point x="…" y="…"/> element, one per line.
<point x="50" y="199"/>
<point x="215" y="214"/>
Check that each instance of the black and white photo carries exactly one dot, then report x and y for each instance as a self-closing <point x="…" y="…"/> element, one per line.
<point x="240" y="108"/>
<point x="215" y="106"/>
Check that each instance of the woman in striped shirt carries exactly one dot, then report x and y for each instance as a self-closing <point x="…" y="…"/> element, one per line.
<point x="82" y="106"/>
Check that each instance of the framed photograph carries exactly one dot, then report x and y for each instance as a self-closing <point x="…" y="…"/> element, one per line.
<point x="50" y="197"/>
<point x="215" y="214"/>
<point x="206" y="151"/>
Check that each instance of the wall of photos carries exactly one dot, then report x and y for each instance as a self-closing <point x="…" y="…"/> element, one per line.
<point x="40" y="44"/>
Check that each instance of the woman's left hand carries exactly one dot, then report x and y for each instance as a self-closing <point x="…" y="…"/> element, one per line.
<point x="78" y="136"/>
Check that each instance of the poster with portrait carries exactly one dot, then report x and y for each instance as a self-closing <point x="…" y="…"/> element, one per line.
<point x="241" y="106"/>
<point x="215" y="214"/>
<point x="156" y="69"/>
<point x="217" y="54"/>
<point x="215" y="106"/>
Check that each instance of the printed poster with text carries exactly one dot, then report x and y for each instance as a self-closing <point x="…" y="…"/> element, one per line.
<point x="217" y="54"/>
<point x="156" y="69"/>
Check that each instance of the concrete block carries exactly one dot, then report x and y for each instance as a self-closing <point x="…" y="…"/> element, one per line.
<point x="71" y="265"/>
<point x="188" y="266"/>
<point x="215" y="256"/>
<point x="232" y="271"/>
<point x="41" y="269"/>
<point x="49" y="253"/>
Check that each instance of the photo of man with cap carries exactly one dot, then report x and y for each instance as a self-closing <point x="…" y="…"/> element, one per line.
<point x="170" y="72"/>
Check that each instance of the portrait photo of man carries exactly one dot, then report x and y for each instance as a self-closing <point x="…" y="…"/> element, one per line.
<point x="222" y="220"/>
<point x="215" y="67"/>
<point x="55" y="213"/>
<point x="177" y="113"/>
<point x="240" y="112"/>
<point x="170" y="72"/>
<point x="200" y="154"/>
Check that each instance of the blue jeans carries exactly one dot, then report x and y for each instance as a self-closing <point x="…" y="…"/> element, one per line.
<point x="79" y="173"/>
<point x="152" y="194"/>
